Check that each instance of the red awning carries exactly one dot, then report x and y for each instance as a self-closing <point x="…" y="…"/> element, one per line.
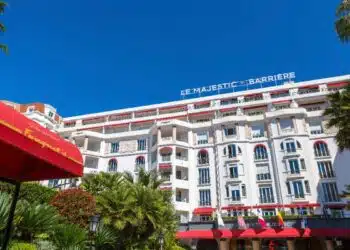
<point x="203" y="210"/>
<point x="164" y="166"/>
<point x="30" y="152"/>
<point x="337" y="84"/>
<point x="165" y="150"/>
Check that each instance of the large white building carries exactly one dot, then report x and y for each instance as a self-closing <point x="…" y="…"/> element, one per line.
<point x="264" y="149"/>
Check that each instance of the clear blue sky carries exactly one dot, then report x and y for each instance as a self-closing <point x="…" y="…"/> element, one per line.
<point x="85" y="56"/>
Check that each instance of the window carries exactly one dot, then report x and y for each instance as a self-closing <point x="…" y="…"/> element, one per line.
<point x="330" y="192"/>
<point x="325" y="169"/>
<point x="266" y="194"/>
<point x="290" y="146"/>
<point x="316" y="127"/>
<point x="307" y="187"/>
<point x="202" y="137"/>
<point x="286" y="125"/>
<point x="289" y="191"/>
<point x="227" y="191"/>
<point x="141" y="144"/>
<point x="140" y="162"/>
<point x="235" y="193"/>
<point x="268" y="212"/>
<point x="203" y="157"/>
<point x="114" y="147"/>
<point x="204" y="197"/>
<point x="263" y="172"/>
<point x="302" y="164"/>
<point x="260" y="152"/>
<point x="298" y="189"/>
<point x="112" y="165"/>
<point x="294" y="166"/>
<point x="204" y="176"/>
<point x="232" y="151"/>
<point x="228" y="101"/>
<point x="321" y="149"/>
<point x="53" y="183"/>
<point x="244" y="190"/>
<point x="233" y="171"/>
<point x="229" y="132"/>
<point x="258" y="130"/>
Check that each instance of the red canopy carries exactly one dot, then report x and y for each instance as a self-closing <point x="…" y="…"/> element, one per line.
<point x="30" y="152"/>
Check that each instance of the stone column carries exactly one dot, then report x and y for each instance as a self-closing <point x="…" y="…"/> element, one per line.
<point x="278" y="126"/>
<point x="86" y="141"/>
<point x="174" y="134"/>
<point x="291" y="244"/>
<point x="256" y="244"/>
<point x="329" y="244"/>
<point x="190" y="137"/>
<point x="295" y="125"/>
<point x="248" y="131"/>
<point x="159" y="135"/>
<point x="224" y="244"/>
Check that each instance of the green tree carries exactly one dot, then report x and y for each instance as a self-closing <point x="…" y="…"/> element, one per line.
<point x="339" y="114"/>
<point x="76" y="205"/>
<point x="3" y="5"/>
<point x="96" y="184"/>
<point x="342" y="25"/>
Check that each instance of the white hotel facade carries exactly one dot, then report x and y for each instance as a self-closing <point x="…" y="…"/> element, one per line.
<point x="266" y="148"/>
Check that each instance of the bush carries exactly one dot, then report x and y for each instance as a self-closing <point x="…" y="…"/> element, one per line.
<point x="75" y="205"/>
<point x="23" y="246"/>
<point x="69" y="237"/>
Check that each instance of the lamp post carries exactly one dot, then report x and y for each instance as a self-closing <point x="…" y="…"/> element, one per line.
<point x="161" y="240"/>
<point x="93" y="225"/>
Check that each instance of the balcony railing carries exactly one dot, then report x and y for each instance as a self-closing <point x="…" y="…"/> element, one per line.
<point x="263" y="177"/>
<point x="204" y="203"/>
<point x="264" y="200"/>
<point x="202" y="142"/>
<point x="165" y="158"/>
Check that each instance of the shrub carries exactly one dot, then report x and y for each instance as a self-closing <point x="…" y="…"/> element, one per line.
<point x="23" y="246"/>
<point x="75" y="205"/>
<point x="69" y="237"/>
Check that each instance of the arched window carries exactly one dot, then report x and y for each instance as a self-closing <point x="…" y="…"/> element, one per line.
<point x="260" y="152"/>
<point x="203" y="157"/>
<point x="233" y="150"/>
<point x="112" y="165"/>
<point x="321" y="149"/>
<point x="290" y="145"/>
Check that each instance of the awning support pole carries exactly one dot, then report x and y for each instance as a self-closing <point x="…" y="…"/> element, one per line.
<point x="11" y="216"/>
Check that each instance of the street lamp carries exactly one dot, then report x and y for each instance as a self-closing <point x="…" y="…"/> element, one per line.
<point x="161" y="240"/>
<point x="93" y="226"/>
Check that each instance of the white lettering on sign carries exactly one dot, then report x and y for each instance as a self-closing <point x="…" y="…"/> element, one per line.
<point x="231" y="85"/>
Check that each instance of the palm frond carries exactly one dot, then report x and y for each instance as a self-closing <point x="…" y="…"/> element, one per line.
<point x="342" y="25"/>
<point x="4" y="48"/>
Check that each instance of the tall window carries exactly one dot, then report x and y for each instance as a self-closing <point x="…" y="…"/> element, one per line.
<point x="204" y="176"/>
<point x="141" y="144"/>
<point x="298" y="189"/>
<point x="202" y="137"/>
<point x="290" y="145"/>
<point x="307" y="187"/>
<point x="263" y="172"/>
<point x="140" y="162"/>
<point x="204" y="197"/>
<point x="330" y="192"/>
<point x="260" y="152"/>
<point x="203" y="157"/>
<point x="235" y="193"/>
<point x="112" y="165"/>
<point x="286" y="125"/>
<point x="244" y="190"/>
<point x="321" y="149"/>
<point x="325" y="169"/>
<point x="233" y="150"/>
<point x="294" y="166"/>
<point x="266" y="194"/>
<point x="114" y="147"/>
<point x="233" y="171"/>
<point x="257" y="130"/>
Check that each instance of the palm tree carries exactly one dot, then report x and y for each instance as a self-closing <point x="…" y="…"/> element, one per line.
<point x="34" y="219"/>
<point x="4" y="209"/>
<point x="3" y="5"/>
<point x="149" y="179"/>
<point x="96" y="184"/>
<point x="69" y="237"/>
<point x="339" y="114"/>
<point x="342" y="25"/>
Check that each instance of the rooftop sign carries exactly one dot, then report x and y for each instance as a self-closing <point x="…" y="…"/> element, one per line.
<point x="240" y="85"/>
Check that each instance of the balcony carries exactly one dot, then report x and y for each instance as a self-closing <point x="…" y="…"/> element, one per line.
<point x="263" y="177"/>
<point x="204" y="203"/>
<point x="266" y="200"/>
<point x="235" y="200"/>
<point x="315" y="225"/>
<point x="292" y="153"/>
<point x="294" y="175"/>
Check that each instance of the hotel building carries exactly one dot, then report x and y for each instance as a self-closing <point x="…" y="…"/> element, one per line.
<point x="241" y="152"/>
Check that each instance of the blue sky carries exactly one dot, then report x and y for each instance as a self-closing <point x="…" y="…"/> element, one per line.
<point x="89" y="56"/>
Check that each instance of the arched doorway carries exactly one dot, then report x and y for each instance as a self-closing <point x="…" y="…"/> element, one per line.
<point x="207" y="245"/>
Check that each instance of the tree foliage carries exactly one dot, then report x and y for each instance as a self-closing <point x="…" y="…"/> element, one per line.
<point x="3" y="5"/>
<point x="69" y="237"/>
<point x="76" y="205"/>
<point x="342" y="25"/>
<point x="339" y="114"/>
